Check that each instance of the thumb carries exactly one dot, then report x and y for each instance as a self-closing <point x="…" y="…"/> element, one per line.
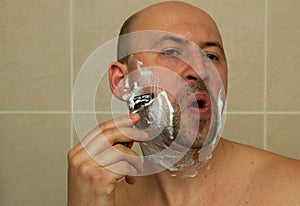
<point x="130" y="179"/>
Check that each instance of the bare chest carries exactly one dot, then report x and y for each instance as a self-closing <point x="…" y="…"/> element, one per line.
<point x="214" y="195"/>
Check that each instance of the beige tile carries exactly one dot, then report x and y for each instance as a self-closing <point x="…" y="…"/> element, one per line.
<point x="283" y="55"/>
<point x="90" y="96"/>
<point x="106" y="101"/>
<point x="33" y="159"/>
<point x="96" y="22"/>
<point x="34" y="64"/>
<point x="246" y="129"/>
<point x="242" y="27"/>
<point x="283" y="135"/>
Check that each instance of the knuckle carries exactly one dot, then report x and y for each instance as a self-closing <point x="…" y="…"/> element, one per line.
<point x="125" y="150"/>
<point x="125" y="165"/>
<point x="95" y="175"/>
<point x="72" y="152"/>
<point x="69" y="155"/>
<point x="104" y="125"/>
<point x="101" y="127"/>
<point x="127" y="168"/>
<point x="121" y="148"/>
<point x="74" y="161"/>
<point x="91" y="174"/>
<point x="84" y="169"/>
<point x="96" y="178"/>
<point x="107" y="133"/>
<point x="110" y="189"/>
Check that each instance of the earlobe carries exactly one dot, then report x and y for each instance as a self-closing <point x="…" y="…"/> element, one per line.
<point x="117" y="73"/>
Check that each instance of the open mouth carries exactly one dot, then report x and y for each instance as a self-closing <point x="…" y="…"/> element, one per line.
<point x="200" y="102"/>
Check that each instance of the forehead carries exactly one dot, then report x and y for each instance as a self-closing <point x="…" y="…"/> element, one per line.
<point x="190" y="22"/>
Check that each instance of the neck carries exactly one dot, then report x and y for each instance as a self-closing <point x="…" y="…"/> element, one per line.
<point x="167" y="183"/>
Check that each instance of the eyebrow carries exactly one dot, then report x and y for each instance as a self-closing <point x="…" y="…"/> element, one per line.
<point x="174" y="38"/>
<point x="168" y="37"/>
<point x="212" y="44"/>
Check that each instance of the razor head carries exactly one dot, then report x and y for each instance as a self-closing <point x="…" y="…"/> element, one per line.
<point x="142" y="101"/>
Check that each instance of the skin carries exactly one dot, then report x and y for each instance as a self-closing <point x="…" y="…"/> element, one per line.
<point x="238" y="174"/>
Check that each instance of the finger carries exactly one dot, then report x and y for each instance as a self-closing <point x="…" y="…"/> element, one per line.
<point x="122" y="168"/>
<point x="122" y="121"/>
<point x="100" y="143"/>
<point x="119" y="153"/>
<point x="83" y="155"/>
<point x="111" y="136"/>
<point x="130" y="179"/>
<point x="85" y="140"/>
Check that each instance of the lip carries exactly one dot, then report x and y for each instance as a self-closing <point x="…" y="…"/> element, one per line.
<point x="204" y="111"/>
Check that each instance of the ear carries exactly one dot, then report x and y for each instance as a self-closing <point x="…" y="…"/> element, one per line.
<point x="117" y="74"/>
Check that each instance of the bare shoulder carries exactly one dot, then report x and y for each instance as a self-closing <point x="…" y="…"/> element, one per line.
<point x="281" y="178"/>
<point x="275" y="178"/>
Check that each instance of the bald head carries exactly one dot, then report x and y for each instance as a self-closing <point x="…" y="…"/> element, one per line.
<point x="166" y="16"/>
<point x="176" y="17"/>
<point x="179" y="19"/>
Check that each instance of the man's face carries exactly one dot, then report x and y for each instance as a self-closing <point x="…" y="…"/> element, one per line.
<point x="190" y="46"/>
<point x="193" y="103"/>
<point x="186" y="52"/>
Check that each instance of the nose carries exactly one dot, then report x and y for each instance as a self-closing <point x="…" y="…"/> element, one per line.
<point x="194" y="71"/>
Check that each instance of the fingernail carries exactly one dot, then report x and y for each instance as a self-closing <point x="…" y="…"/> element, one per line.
<point x="133" y="116"/>
<point x="144" y="135"/>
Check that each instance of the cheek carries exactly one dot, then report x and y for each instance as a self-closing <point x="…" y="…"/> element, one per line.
<point x="223" y="75"/>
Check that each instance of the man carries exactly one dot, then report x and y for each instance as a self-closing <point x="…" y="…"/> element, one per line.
<point x="238" y="174"/>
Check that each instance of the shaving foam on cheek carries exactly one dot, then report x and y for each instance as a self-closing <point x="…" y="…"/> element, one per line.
<point x="157" y="109"/>
<point x="150" y="101"/>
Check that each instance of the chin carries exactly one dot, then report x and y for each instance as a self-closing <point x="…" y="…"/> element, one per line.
<point x="192" y="134"/>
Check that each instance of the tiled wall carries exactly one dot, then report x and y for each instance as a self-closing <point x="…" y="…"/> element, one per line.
<point x="44" y="43"/>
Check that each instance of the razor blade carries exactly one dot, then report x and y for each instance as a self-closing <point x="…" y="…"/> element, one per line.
<point x="142" y="101"/>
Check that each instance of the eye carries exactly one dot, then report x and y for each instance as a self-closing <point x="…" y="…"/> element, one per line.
<point x="171" y="52"/>
<point x="212" y="57"/>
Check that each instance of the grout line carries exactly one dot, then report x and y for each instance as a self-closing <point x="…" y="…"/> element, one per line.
<point x="244" y="112"/>
<point x="265" y="135"/>
<point x="263" y="113"/>
<point x="124" y="112"/>
<point x="35" y="112"/>
<point x="71" y="69"/>
<point x="283" y="113"/>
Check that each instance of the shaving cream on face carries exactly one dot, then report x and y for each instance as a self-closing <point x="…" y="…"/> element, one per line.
<point x="156" y="112"/>
<point x="157" y="119"/>
<point x="150" y="101"/>
<point x="162" y="110"/>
